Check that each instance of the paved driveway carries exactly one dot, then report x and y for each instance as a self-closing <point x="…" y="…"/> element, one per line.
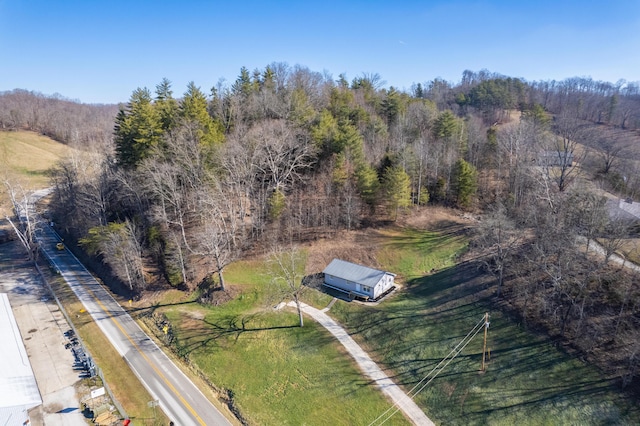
<point x="369" y="367"/>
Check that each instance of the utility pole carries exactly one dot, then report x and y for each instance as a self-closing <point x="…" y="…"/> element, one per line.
<point x="153" y="404"/>
<point x="484" y="346"/>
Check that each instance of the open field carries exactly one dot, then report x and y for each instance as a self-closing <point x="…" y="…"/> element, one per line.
<point x="277" y="372"/>
<point x="25" y="158"/>
<point x="280" y="373"/>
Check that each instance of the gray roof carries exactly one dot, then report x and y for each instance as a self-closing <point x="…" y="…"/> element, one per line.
<point x="18" y="387"/>
<point x="356" y="273"/>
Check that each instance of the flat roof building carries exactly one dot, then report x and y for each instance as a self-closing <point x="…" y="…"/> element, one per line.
<point x="18" y="388"/>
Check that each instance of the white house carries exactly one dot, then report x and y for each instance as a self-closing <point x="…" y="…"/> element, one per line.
<point x="357" y="280"/>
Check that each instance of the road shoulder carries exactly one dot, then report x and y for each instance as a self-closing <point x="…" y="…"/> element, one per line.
<point x="42" y="327"/>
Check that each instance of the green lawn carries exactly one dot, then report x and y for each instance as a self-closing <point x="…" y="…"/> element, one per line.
<point x="527" y="381"/>
<point x="281" y="374"/>
<point x="277" y="372"/>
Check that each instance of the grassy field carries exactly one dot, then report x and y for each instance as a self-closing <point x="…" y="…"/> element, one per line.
<point x="279" y="373"/>
<point x="527" y="381"/>
<point x="25" y="158"/>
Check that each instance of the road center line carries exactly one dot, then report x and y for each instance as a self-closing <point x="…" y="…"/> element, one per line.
<point x="135" y="345"/>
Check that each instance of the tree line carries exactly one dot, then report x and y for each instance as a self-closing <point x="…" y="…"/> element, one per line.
<point x="289" y="150"/>
<point x="192" y="182"/>
<point x="62" y="119"/>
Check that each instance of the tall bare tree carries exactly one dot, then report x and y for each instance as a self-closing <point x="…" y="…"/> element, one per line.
<point x="26" y="224"/>
<point x="281" y="153"/>
<point x="120" y="248"/>
<point x="562" y="155"/>
<point x="500" y="237"/>
<point x="221" y="237"/>
<point x="286" y="268"/>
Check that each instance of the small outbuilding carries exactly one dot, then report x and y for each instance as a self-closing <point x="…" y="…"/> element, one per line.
<point x="555" y="159"/>
<point x="357" y="280"/>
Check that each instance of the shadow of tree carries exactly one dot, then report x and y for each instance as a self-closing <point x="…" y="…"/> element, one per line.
<point x="208" y="333"/>
<point x="412" y="332"/>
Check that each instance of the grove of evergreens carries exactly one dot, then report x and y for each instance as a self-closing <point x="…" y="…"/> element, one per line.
<point x="173" y="189"/>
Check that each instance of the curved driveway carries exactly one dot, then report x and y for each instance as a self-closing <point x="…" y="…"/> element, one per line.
<point x="369" y="367"/>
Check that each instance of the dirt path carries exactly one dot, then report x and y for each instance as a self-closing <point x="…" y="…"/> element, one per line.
<point x="369" y="367"/>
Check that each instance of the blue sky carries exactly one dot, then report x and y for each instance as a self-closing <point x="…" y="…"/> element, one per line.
<point x="100" y="51"/>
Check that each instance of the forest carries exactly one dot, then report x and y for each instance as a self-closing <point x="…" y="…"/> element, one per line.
<point x="171" y="189"/>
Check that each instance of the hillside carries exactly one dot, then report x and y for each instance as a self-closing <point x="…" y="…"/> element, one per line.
<point x="25" y="158"/>
<point x="191" y="190"/>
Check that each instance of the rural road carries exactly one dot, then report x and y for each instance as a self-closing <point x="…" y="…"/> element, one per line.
<point x="178" y="397"/>
<point x="369" y="367"/>
<point x="42" y="326"/>
<point x="596" y="247"/>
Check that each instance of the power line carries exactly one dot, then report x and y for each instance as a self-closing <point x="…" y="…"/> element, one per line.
<point x="457" y="352"/>
<point x="420" y="386"/>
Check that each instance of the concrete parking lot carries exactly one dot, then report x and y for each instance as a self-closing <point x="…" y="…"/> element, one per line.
<point x="42" y="327"/>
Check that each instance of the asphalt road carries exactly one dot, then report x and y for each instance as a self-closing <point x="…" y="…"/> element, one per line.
<point x="178" y="397"/>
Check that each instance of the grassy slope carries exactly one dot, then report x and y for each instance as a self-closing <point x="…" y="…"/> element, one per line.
<point x="528" y="380"/>
<point x="25" y="158"/>
<point x="278" y="372"/>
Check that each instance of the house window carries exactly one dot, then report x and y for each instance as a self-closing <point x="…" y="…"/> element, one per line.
<point x="366" y="289"/>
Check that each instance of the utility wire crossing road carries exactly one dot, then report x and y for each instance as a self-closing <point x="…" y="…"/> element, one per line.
<point x="178" y="397"/>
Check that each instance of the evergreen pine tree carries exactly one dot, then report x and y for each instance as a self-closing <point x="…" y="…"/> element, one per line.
<point x="138" y="129"/>
<point x="465" y="183"/>
<point x="166" y="105"/>
<point x="367" y="182"/>
<point x="193" y="109"/>
<point x="397" y="189"/>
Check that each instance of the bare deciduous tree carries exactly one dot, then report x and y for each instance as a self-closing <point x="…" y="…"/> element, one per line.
<point x="25" y="228"/>
<point x="281" y="154"/>
<point x="119" y="245"/>
<point x="498" y="235"/>
<point x="586" y="213"/>
<point x="219" y="232"/>
<point x="562" y="155"/>
<point x="286" y="268"/>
